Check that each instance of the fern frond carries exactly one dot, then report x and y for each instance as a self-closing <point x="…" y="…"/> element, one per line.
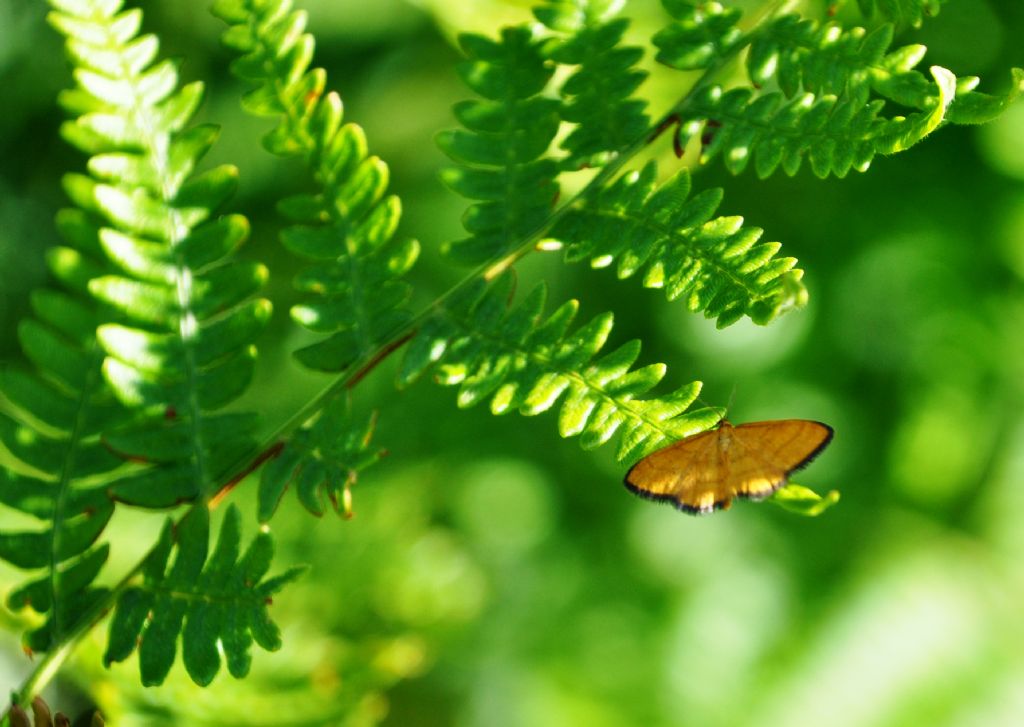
<point x="700" y="34"/>
<point x="179" y="346"/>
<point x="834" y="83"/>
<point x="819" y="58"/>
<point x="975" y="107"/>
<point x="896" y="79"/>
<point x="51" y="421"/>
<point x="214" y="601"/>
<point x="599" y="94"/>
<point x="805" y="56"/>
<point x="527" y="363"/>
<point x="323" y="458"/>
<point x="833" y="134"/>
<point x="901" y="12"/>
<point x="502" y="149"/>
<point x="347" y="226"/>
<point x="714" y="264"/>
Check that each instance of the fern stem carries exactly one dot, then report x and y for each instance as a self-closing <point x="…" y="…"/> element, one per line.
<point x="54" y="659"/>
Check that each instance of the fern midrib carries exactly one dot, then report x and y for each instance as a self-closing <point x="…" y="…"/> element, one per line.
<point x="198" y="596"/>
<point x="64" y="482"/>
<point x="350" y="258"/>
<point x="511" y="102"/>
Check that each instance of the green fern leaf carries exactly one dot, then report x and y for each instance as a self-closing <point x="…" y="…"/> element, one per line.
<point x="975" y="107"/>
<point x="802" y="55"/>
<point x="714" y="264"/>
<point x="502" y="148"/>
<point x="833" y="135"/>
<point x="803" y="501"/>
<point x="181" y="320"/>
<point x="824" y="59"/>
<point x="901" y="12"/>
<point x="51" y="421"/>
<point x="701" y="34"/>
<point x="347" y="228"/>
<point x="599" y="93"/>
<point x="323" y="458"/>
<point x="524" y="362"/>
<point x="214" y="601"/>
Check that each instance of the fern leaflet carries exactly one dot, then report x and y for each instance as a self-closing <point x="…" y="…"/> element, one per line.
<point x="348" y="224"/>
<point x="802" y="55"/>
<point x="52" y="421"/>
<point x="599" y="93"/>
<point x="502" y="147"/>
<point x="50" y="424"/>
<point x="903" y="12"/>
<point x="827" y="76"/>
<point x="525" y="362"/>
<point x="712" y="264"/>
<point x="180" y="342"/>
<point x="833" y="135"/>
<point x="323" y="458"/>
<point x="216" y="602"/>
<point x="700" y="34"/>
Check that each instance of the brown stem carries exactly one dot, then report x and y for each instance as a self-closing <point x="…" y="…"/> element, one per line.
<point x="227" y="487"/>
<point x="382" y="354"/>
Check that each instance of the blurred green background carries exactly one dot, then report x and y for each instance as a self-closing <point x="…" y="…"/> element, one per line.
<point x="495" y="575"/>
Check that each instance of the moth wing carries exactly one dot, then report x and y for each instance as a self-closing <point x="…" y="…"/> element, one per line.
<point x="690" y="473"/>
<point x="765" y="453"/>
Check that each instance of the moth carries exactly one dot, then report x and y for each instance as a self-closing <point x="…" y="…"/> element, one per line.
<point x="704" y="472"/>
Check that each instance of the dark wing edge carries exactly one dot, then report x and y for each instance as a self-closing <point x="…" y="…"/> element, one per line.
<point x="671" y="500"/>
<point x="759" y="497"/>
<point x="817" y="450"/>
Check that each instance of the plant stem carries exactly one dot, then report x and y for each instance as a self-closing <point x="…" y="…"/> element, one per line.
<point x="52" y="661"/>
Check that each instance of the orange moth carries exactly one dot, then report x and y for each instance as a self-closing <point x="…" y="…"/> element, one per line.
<point x="705" y="472"/>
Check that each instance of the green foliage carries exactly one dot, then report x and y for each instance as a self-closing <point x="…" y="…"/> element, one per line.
<point x="347" y="226"/>
<point x="821" y="58"/>
<point x="801" y="55"/>
<point x="904" y="12"/>
<point x="182" y="321"/>
<point x="51" y="421"/>
<point x="714" y="265"/>
<point x="699" y="36"/>
<point x="599" y="93"/>
<point x="216" y="602"/>
<point x="803" y="501"/>
<point x="527" y="363"/>
<point x="502" y="148"/>
<point x="833" y="135"/>
<point x="323" y="458"/>
<point x="827" y="75"/>
<point x="150" y="339"/>
<point x="50" y="424"/>
<point x="153" y="303"/>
